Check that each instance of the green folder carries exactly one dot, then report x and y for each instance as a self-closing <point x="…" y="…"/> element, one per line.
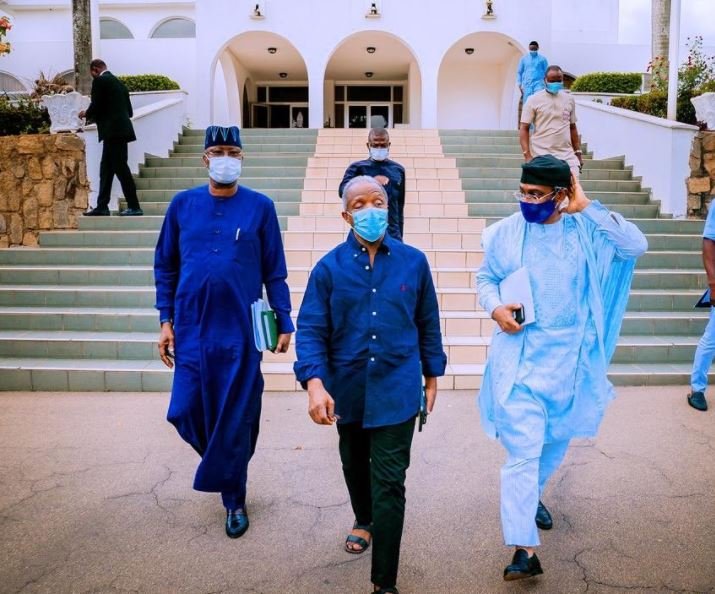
<point x="270" y="328"/>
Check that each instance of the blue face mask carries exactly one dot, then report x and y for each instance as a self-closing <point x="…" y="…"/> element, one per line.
<point x="370" y="223"/>
<point x="554" y="87"/>
<point x="537" y="213"/>
<point x="379" y="154"/>
<point x="224" y="170"/>
<point x="534" y="53"/>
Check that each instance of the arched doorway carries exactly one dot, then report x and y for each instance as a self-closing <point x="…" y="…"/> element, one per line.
<point x="260" y="80"/>
<point x="372" y="79"/>
<point x="477" y="83"/>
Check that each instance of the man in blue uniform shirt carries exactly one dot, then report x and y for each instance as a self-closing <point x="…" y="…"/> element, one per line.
<point x="706" y="346"/>
<point x="220" y="244"/>
<point x="545" y="380"/>
<point x="531" y="71"/>
<point x="368" y="329"/>
<point x="388" y="173"/>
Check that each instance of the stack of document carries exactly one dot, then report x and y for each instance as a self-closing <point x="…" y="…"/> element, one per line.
<point x="265" y="327"/>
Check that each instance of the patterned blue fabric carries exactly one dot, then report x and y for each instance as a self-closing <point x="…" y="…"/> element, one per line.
<point x="607" y="247"/>
<point x="709" y="230"/>
<point x="530" y="74"/>
<point x="220" y="135"/>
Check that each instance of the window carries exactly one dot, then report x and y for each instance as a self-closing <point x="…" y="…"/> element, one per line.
<point x="113" y="29"/>
<point x="175" y="28"/>
<point x="10" y="84"/>
<point x="288" y="95"/>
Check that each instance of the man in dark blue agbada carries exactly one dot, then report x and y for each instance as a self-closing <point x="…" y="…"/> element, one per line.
<point x="388" y="173"/>
<point x="220" y="244"/>
<point x="368" y="329"/>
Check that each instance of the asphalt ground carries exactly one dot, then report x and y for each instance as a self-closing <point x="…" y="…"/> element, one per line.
<point x="95" y="496"/>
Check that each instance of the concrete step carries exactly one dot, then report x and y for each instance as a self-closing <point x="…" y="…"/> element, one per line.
<point x="514" y="161"/>
<point x="254" y="162"/>
<point x="589" y="186"/>
<point x="250" y="174"/>
<point x="512" y="171"/>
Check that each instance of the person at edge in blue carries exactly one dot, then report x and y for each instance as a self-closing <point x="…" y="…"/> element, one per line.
<point x="367" y="329"/>
<point x="220" y="244"/>
<point x="389" y="173"/>
<point x="545" y="382"/>
<point x="706" y="346"/>
<point x="531" y="71"/>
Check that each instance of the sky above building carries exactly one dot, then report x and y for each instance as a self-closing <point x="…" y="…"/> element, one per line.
<point x="696" y="19"/>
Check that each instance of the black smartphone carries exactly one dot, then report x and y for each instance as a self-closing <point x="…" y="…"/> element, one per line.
<point x="423" y="409"/>
<point x="518" y="315"/>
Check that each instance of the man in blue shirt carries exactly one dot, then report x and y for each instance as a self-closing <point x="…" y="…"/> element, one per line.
<point x="389" y="173"/>
<point x="531" y="71"/>
<point x="706" y="347"/>
<point x="367" y="329"/>
<point x="220" y="244"/>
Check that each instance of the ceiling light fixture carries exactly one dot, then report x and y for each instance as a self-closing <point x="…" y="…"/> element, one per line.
<point x="272" y="50"/>
<point x="469" y="50"/>
<point x="368" y="74"/>
<point x="370" y="50"/>
<point x="283" y="74"/>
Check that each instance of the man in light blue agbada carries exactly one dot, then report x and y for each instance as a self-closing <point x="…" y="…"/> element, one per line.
<point x="545" y="382"/>
<point x="705" y="352"/>
<point x="531" y="72"/>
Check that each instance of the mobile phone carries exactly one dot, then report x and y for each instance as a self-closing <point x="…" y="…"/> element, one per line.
<point x="518" y="315"/>
<point x="423" y="409"/>
<point x="170" y="353"/>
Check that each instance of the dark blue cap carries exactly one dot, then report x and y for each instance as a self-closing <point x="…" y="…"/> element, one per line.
<point x="546" y="170"/>
<point x="221" y="135"/>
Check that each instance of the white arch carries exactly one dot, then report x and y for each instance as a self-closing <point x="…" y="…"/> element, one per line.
<point x="9" y="83"/>
<point x="375" y="62"/>
<point x="121" y="27"/>
<point x="164" y="21"/>
<point x="478" y="90"/>
<point x="236" y="74"/>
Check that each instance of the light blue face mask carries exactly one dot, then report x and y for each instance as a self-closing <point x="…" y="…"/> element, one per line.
<point x="224" y="170"/>
<point x="379" y="154"/>
<point x="554" y="87"/>
<point x="534" y="53"/>
<point x="370" y="223"/>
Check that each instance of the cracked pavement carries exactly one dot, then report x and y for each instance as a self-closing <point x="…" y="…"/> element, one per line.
<point x="96" y="497"/>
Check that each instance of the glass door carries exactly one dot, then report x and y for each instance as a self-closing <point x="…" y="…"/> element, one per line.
<point x="380" y="116"/>
<point x="357" y="116"/>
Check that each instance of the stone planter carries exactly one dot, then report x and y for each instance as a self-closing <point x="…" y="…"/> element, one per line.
<point x="705" y="109"/>
<point x="64" y="111"/>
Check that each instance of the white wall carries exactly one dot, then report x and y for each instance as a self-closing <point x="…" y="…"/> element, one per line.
<point x="470" y="98"/>
<point x="658" y="149"/>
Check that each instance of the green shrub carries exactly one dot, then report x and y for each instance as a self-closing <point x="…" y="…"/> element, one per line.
<point x="655" y="103"/>
<point x="708" y="87"/>
<point x="22" y="117"/>
<point x="148" y="82"/>
<point x="608" y="82"/>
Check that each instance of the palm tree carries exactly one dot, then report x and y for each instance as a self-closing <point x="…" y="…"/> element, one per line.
<point x="660" y="34"/>
<point x="82" y="41"/>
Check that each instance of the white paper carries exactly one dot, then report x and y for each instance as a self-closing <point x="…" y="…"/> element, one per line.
<point x="259" y="333"/>
<point x="516" y="288"/>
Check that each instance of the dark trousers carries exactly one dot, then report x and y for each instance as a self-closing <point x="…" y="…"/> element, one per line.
<point x="114" y="162"/>
<point x="375" y="463"/>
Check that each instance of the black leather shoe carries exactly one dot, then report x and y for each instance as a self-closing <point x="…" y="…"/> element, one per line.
<point x="522" y="566"/>
<point x="697" y="400"/>
<point x="543" y="518"/>
<point x="236" y="523"/>
<point x="131" y="212"/>
<point x="97" y="212"/>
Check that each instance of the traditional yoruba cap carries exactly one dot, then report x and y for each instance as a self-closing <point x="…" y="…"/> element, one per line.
<point x="220" y="135"/>
<point x="546" y="170"/>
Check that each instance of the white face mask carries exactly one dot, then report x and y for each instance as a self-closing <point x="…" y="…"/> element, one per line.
<point x="224" y="170"/>
<point x="379" y="154"/>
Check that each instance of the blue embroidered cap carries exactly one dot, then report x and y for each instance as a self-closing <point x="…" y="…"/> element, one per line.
<point x="221" y="135"/>
<point x="546" y="170"/>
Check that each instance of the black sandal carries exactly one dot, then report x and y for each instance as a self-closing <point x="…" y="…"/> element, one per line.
<point x="358" y="540"/>
<point x="388" y="590"/>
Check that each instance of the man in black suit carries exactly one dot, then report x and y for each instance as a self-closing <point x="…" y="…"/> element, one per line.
<point x="111" y="110"/>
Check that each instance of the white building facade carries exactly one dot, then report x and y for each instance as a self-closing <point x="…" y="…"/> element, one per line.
<point x="338" y="63"/>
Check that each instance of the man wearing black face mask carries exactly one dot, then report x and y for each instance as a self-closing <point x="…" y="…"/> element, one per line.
<point x="389" y="173"/>
<point x="545" y="381"/>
